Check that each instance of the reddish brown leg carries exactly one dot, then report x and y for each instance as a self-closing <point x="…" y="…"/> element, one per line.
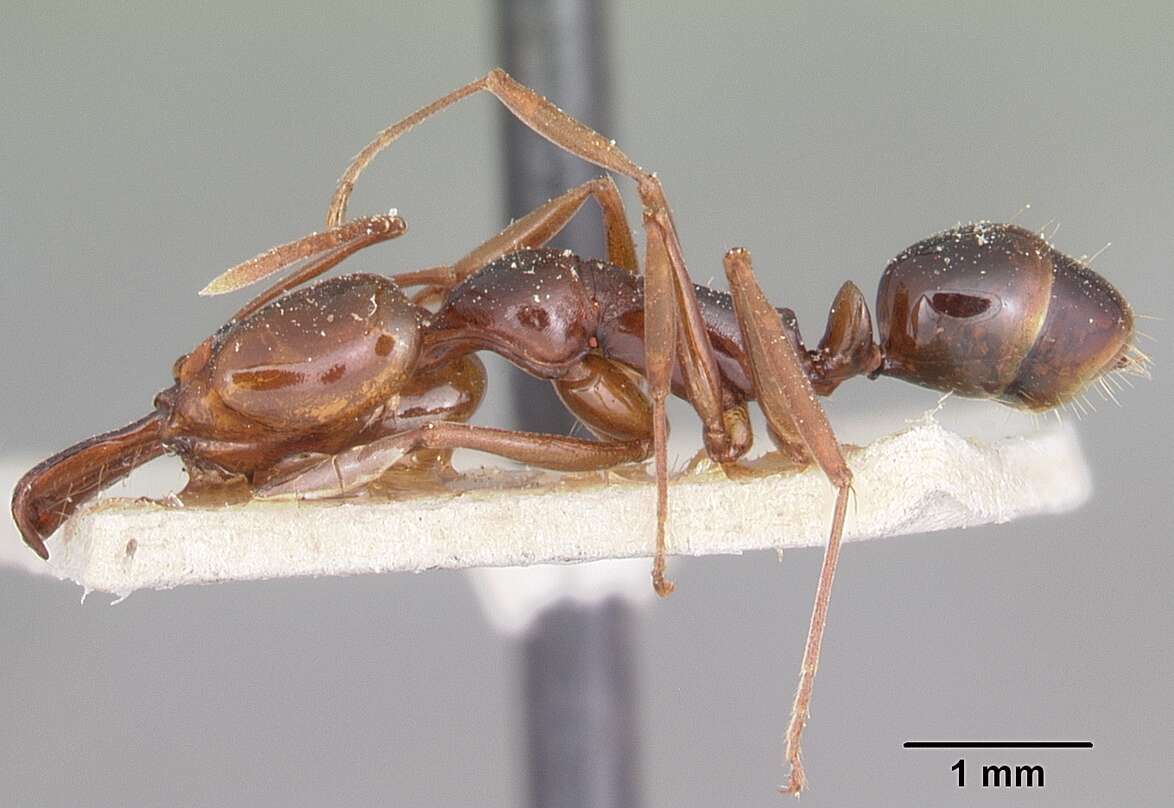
<point x="543" y="223"/>
<point x="351" y="469"/>
<point x="535" y="229"/>
<point x="668" y="292"/>
<point x="606" y="398"/>
<point x="789" y="403"/>
<point x="660" y="339"/>
<point x="328" y="249"/>
<point x="668" y="288"/>
<point x="600" y="393"/>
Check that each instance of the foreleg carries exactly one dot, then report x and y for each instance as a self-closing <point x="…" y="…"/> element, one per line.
<point x="321" y="250"/>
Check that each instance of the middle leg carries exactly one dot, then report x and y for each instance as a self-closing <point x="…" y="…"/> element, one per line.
<point x="351" y="469"/>
<point x="668" y="289"/>
<point x="599" y="392"/>
<point x="537" y="228"/>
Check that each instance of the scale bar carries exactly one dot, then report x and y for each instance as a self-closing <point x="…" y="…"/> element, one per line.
<point x="998" y="744"/>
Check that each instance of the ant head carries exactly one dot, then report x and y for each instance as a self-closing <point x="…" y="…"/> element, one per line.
<point x="994" y="311"/>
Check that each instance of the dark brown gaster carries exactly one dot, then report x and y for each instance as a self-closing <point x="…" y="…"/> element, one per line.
<point x="317" y="391"/>
<point x="994" y="311"/>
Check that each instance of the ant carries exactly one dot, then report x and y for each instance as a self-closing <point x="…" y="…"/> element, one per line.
<point x="317" y="391"/>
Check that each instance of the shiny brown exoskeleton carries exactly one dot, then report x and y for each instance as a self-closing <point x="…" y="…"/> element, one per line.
<point x="317" y="391"/>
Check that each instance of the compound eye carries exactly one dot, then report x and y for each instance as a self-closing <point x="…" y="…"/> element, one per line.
<point x="963" y="306"/>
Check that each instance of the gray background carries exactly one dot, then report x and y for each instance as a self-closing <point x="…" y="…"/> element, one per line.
<point x="142" y="150"/>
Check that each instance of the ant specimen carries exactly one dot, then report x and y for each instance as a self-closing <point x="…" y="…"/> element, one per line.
<point x="317" y="391"/>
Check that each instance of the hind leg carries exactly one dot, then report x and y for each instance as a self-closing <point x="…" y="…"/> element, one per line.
<point x="798" y="424"/>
